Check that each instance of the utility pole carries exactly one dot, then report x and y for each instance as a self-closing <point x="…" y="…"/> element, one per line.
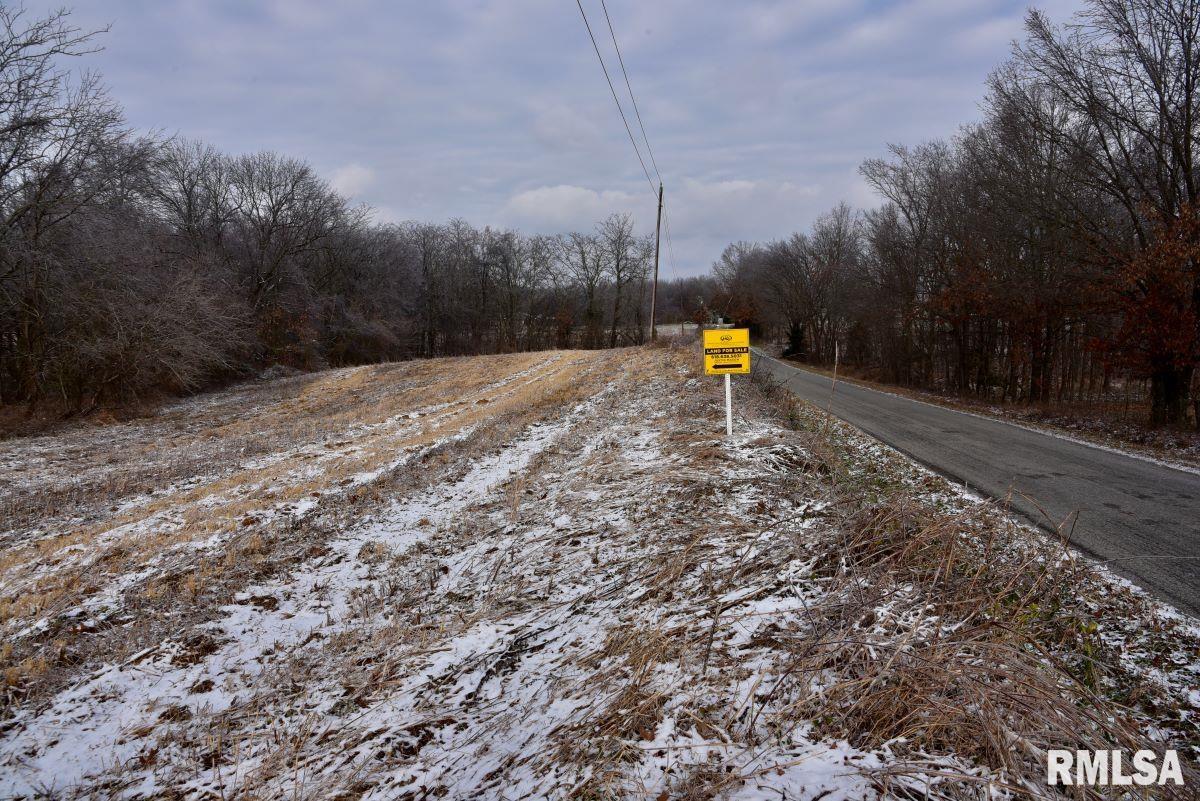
<point x="654" y="286"/>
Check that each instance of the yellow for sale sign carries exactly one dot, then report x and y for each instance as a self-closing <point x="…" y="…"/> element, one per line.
<point x="726" y="350"/>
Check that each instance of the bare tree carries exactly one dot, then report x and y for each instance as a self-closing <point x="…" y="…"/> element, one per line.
<point x="281" y="212"/>
<point x="584" y="260"/>
<point x="1127" y="75"/>
<point x="131" y="265"/>
<point x="619" y="248"/>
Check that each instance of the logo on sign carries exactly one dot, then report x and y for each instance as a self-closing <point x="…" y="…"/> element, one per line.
<point x="726" y="351"/>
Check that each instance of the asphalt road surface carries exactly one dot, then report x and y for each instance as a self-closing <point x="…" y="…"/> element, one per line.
<point x="1141" y="518"/>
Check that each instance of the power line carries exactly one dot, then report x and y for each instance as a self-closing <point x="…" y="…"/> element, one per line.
<point x="645" y="137"/>
<point x="671" y="262"/>
<point x="670" y="242"/>
<point x="628" y="86"/>
<point x="664" y="217"/>
<point x="616" y="99"/>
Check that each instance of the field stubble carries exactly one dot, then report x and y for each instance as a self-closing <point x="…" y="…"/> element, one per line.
<point x="557" y="579"/>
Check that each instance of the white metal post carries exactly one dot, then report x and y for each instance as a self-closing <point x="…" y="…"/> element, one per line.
<point x="728" y="407"/>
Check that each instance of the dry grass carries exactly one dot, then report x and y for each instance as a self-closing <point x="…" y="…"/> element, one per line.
<point x="309" y="436"/>
<point x="958" y="633"/>
<point x="643" y="609"/>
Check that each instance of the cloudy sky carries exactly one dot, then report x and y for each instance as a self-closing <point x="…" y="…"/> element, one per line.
<point x="759" y="113"/>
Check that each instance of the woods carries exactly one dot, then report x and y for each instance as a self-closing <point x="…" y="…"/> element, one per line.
<point x="1043" y="255"/>
<point x="132" y="265"/>
<point x="1039" y="255"/>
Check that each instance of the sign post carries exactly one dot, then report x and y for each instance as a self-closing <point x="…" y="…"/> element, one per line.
<point x="728" y="407"/>
<point x="727" y="351"/>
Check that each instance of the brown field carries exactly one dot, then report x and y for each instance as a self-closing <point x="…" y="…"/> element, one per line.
<point x="545" y="575"/>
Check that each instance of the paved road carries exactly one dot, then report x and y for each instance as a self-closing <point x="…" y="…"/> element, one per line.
<point x="1139" y="515"/>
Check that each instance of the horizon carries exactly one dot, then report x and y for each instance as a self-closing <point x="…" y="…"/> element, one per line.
<point x="501" y="115"/>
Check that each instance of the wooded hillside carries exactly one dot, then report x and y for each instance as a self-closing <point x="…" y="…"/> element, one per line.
<point x="134" y="264"/>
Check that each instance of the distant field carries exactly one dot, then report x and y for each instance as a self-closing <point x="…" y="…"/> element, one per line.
<point x="543" y="575"/>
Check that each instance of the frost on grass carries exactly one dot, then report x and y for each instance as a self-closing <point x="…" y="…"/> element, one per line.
<point x="590" y="593"/>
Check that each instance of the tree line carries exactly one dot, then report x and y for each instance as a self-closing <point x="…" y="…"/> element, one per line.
<point x="1036" y="256"/>
<point x="134" y="264"/>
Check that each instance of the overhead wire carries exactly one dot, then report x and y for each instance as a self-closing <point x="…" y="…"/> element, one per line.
<point x="670" y="242"/>
<point x="616" y="99"/>
<point x="645" y="137"/>
<point x="637" y="112"/>
<point x="671" y="262"/>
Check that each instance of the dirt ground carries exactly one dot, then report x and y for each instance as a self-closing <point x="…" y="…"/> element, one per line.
<point x="544" y="576"/>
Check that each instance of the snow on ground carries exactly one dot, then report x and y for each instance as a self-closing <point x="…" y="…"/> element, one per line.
<point x="264" y="619"/>
<point x="587" y="593"/>
<point x="218" y="497"/>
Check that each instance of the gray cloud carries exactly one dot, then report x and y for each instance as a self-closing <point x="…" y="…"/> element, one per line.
<point x="759" y="112"/>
